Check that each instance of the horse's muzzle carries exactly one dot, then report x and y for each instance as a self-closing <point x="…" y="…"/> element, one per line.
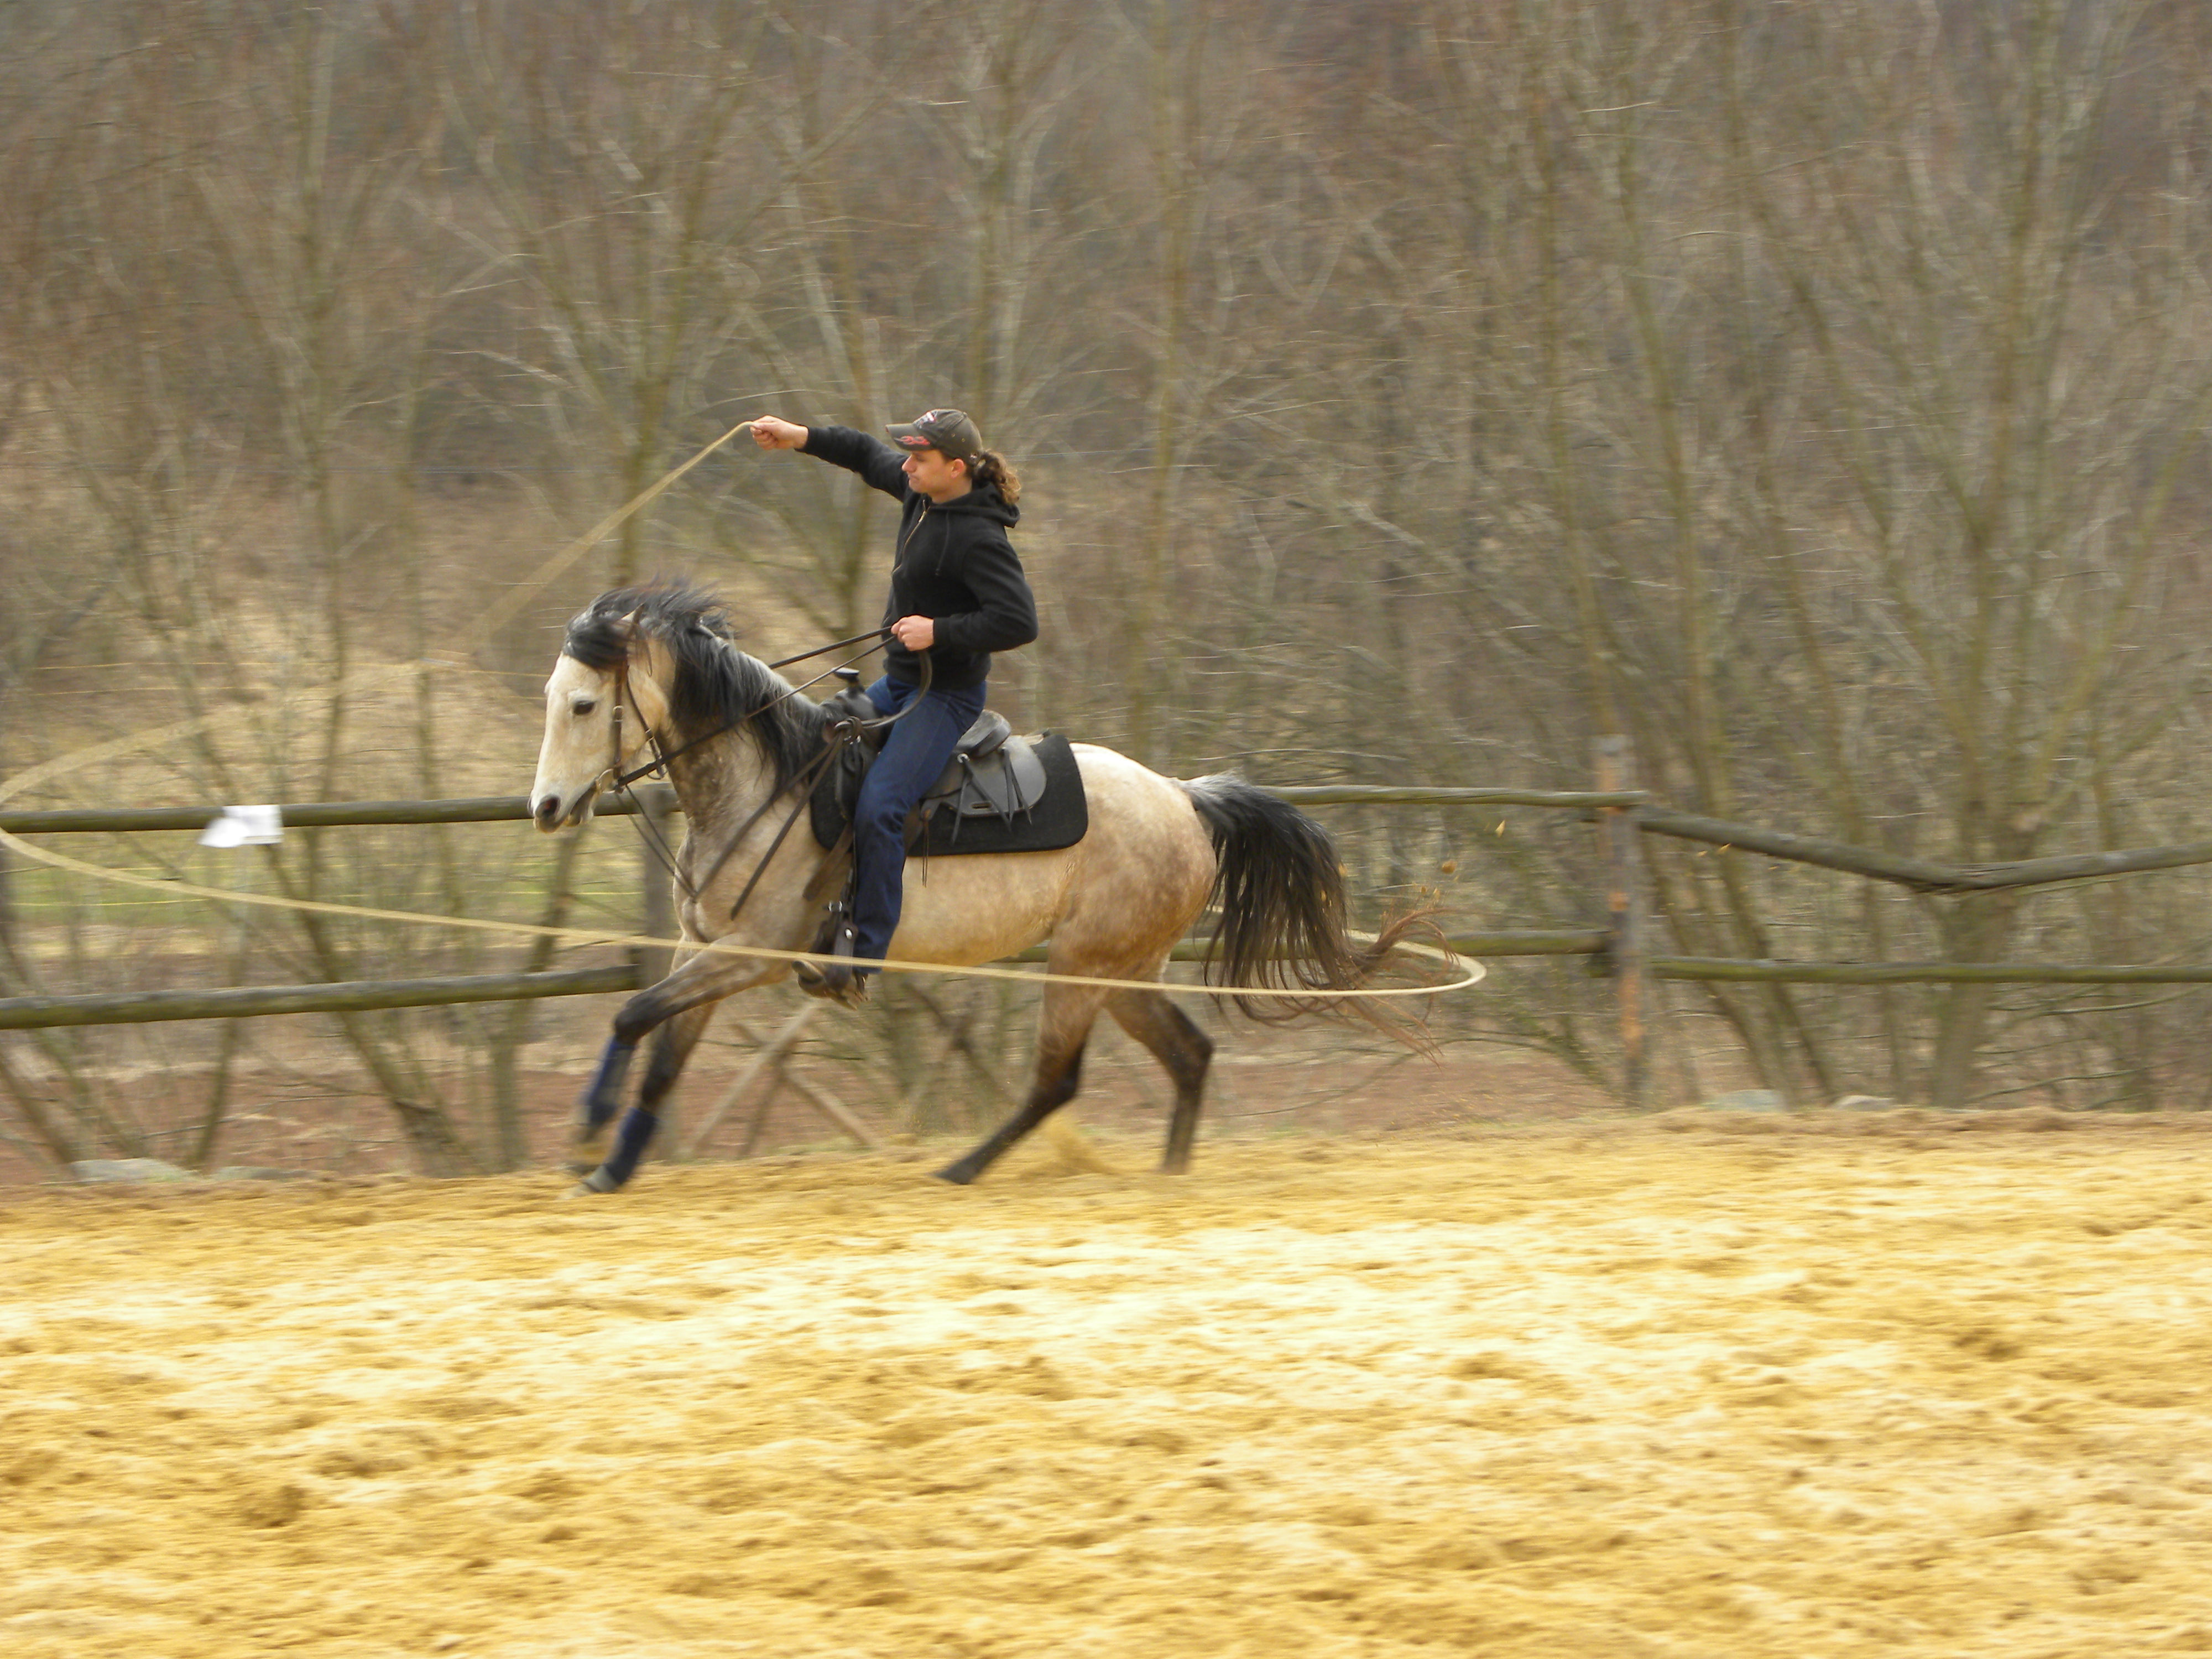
<point x="547" y="815"/>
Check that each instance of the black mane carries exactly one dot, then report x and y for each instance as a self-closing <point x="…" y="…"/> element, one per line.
<point x="716" y="686"/>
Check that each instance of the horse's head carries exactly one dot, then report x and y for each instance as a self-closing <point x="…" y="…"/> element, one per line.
<point x="608" y="695"/>
<point x="656" y="663"/>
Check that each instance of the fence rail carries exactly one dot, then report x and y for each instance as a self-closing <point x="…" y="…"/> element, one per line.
<point x="301" y="815"/>
<point x="1919" y="874"/>
<point x="343" y="996"/>
<point x="506" y="809"/>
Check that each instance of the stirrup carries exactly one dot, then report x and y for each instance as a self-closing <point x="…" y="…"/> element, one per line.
<point x="837" y="981"/>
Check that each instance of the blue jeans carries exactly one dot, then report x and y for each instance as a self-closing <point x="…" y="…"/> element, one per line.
<point x="914" y="752"/>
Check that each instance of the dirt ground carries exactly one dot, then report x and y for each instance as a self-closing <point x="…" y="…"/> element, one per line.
<point x="1703" y="1384"/>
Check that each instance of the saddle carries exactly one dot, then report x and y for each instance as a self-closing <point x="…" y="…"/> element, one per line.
<point x="998" y="793"/>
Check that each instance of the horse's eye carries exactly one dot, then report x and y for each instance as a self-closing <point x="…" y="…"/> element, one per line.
<point x="585" y="708"/>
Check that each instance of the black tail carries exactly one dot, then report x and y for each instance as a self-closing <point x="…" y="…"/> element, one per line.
<point x="1280" y="893"/>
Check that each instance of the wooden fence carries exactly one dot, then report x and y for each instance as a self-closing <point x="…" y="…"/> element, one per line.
<point x="1620" y="949"/>
<point x="122" y="1008"/>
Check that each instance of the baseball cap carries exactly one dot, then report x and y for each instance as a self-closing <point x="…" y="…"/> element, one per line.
<point x="946" y="430"/>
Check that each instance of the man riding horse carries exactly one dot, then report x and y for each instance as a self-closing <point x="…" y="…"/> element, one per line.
<point x="958" y="594"/>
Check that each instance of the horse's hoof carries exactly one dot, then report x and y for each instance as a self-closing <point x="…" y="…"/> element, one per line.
<point x="592" y="1185"/>
<point x="954" y="1175"/>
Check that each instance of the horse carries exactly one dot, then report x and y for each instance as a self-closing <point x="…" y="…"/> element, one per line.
<point x="651" y="671"/>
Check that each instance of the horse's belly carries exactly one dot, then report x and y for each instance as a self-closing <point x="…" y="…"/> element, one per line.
<point x="981" y="908"/>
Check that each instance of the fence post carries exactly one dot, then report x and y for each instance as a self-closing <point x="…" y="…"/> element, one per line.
<point x="656" y="807"/>
<point x="1627" y="915"/>
<point x="656" y="848"/>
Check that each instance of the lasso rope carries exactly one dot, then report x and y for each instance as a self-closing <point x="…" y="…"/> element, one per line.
<point x="497" y="616"/>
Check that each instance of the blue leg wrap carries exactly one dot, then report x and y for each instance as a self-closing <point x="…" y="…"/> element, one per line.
<point x="630" y="1142"/>
<point x="603" y="1094"/>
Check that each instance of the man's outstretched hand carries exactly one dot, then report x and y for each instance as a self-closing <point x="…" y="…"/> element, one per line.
<point x="773" y="432"/>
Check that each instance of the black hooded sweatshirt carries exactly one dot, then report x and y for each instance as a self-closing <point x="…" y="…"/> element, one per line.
<point x="954" y="564"/>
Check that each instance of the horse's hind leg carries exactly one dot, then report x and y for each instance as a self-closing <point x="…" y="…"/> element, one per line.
<point x="672" y="1047"/>
<point x="1069" y="1013"/>
<point x="1153" y="1019"/>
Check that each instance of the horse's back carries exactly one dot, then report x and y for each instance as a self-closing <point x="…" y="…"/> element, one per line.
<point x="1148" y="863"/>
<point x="1143" y="814"/>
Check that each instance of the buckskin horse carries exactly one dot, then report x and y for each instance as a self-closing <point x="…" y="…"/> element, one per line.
<point x="651" y="672"/>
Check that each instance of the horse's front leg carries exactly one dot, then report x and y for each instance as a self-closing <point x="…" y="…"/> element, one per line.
<point x="672" y="1047"/>
<point x="678" y="1008"/>
<point x="601" y="1098"/>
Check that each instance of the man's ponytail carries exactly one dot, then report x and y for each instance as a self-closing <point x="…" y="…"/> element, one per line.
<point x="989" y="467"/>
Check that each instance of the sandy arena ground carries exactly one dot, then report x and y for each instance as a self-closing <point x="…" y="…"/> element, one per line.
<point x="1697" y="1385"/>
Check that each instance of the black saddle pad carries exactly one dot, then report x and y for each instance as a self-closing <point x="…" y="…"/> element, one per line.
<point x="1057" y="820"/>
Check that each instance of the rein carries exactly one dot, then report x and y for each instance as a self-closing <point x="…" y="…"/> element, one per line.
<point x="841" y="735"/>
<point x="658" y="764"/>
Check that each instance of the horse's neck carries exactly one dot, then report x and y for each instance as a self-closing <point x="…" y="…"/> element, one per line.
<point x="726" y="786"/>
<point x="722" y="784"/>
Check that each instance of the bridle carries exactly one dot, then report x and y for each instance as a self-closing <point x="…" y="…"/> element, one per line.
<point x="615" y="780"/>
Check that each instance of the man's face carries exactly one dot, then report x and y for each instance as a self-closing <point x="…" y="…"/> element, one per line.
<point x="934" y="474"/>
